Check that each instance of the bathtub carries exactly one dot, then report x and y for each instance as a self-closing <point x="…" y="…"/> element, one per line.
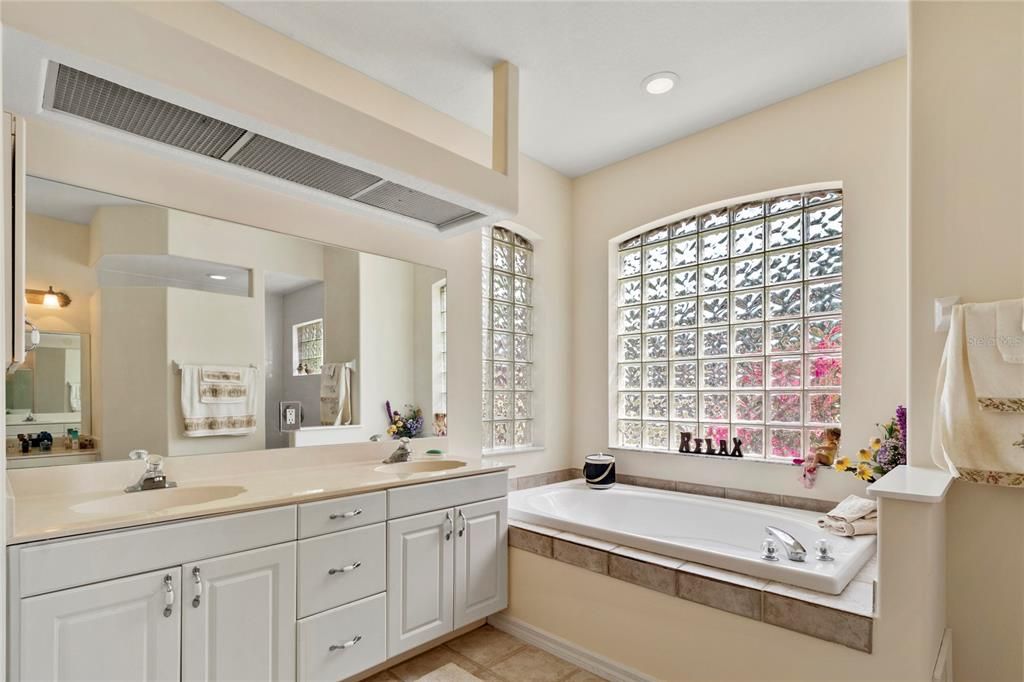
<point x="708" y="530"/>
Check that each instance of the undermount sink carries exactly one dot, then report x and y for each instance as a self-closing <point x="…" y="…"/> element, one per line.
<point x="420" y="466"/>
<point x="155" y="500"/>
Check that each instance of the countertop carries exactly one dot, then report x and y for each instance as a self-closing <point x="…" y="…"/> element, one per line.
<point x="50" y="515"/>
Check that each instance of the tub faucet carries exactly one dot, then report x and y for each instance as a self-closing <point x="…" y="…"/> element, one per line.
<point x="794" y="550"/>
<point x="401" y="454"/>
<point x="153" y="478"/>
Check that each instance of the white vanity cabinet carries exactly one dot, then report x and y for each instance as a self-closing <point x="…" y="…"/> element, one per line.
<point x="115" y="630"/>
<point x="447" y="567"/>
<point x="238" y="616"/>
<point x="317" y="591"/>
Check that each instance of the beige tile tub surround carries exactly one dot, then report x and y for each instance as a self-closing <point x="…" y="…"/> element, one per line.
<point x="846" y="619"/>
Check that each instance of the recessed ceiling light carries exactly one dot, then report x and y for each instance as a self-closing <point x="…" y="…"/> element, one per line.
<point x="219" y="278"/>
<point x="660" y="83"/>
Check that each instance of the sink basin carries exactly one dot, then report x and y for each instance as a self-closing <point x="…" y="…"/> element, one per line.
<point x="420" y="466"/>
<point x="155" y="500"/>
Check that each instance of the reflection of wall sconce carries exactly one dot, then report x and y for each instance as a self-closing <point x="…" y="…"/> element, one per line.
<point x="48" y="298"/>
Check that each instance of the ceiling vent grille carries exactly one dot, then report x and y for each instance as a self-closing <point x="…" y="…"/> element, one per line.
<point x="296" y="165"/>
<point x="82" y="94"/>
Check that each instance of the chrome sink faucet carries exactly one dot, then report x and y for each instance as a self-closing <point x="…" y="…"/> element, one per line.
<point x="153" y="478"/>
<point x="401" y="454"/>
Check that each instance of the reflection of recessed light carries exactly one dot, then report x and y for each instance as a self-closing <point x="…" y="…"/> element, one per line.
<point x="219" y="278"/>
<point x="660" y="83"/>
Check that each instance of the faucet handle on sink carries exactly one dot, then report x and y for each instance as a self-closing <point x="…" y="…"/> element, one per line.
<point x="138" y="454"/>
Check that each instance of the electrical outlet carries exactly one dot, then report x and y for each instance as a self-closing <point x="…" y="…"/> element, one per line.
<point x="291" y="415"/>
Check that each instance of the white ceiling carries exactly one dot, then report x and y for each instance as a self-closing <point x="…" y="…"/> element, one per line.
<point x="582" y="63"/>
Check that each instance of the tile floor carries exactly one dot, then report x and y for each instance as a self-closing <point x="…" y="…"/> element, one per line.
<point x="491" y="655"/>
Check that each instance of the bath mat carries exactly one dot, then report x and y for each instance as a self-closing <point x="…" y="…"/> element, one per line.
<point x="450" y="673"/>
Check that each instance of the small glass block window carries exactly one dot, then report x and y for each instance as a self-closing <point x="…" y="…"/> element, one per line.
<point x="508" y="328"/>
<point x="730" y="325"/>
<point x="308" y="347"/>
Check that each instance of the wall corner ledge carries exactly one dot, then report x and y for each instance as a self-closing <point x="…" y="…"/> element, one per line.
<point x="912" y="484"/>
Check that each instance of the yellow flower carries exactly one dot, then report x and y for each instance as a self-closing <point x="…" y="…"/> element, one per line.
<point x="398" y="423"/>
<point x="865" y="455"/>
<point x="392" y="429"/>
<point x="864" y="471"/>
<point x="842" y="464"/>
<point x="876" y="444"/>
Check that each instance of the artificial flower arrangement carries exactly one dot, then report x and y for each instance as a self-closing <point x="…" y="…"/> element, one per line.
<point x="883" y="454"/>
<point x="408" y="425"/>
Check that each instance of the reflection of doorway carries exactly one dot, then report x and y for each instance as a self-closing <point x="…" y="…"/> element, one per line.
<point x="290" y="301"/>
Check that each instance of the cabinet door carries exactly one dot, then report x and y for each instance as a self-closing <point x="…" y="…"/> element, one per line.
<point x="115" y="630"/>
<point x="239" y="616"/>
<point x="420" y="579"/>
<point x="481" y="560"/>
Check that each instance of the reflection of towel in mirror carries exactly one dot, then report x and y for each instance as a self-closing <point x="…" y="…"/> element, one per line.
<point x="218" y="401"/>
<point x="979" y="398"/>
<point x="75" y="396"/>
<point x="853" y="516"/>
<point x="336" y="394"/>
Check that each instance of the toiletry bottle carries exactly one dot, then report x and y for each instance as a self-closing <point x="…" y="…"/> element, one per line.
<point x="74" y="439"/>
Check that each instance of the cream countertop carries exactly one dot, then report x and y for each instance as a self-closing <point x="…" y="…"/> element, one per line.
<point x="42" y="501"/>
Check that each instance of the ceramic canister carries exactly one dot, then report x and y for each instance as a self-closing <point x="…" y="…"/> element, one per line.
<point x="599" y="471"/>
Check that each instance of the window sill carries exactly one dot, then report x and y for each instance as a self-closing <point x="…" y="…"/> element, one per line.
<point x="717" y="458"/>
<point x="512" y="451"/>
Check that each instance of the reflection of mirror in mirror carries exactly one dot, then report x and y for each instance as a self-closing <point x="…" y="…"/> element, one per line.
<point x="210" y="336"/>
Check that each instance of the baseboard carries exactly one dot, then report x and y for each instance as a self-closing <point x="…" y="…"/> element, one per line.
<point x="578" y="656"/>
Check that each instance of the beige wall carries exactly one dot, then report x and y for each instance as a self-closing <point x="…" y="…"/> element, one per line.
<point x="967" y="240"/>
<point x="852" y="131"/>
<point x="57" y="254"/>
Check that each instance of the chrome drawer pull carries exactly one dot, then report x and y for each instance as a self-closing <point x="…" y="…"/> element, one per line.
<point x="450" y="526"/>
<point x="198" y="587"/>
<point x="350" y="643"/>
<point x="346" y="515"/>
<point x="168" y="596"/>
<point x="462" y="517"/>
<point x="345" y="569"/>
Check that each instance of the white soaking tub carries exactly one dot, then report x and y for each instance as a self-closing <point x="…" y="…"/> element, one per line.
<point x="707" y="530"/>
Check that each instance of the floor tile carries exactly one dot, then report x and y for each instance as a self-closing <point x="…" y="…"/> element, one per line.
<point x="431" y="660"/>
<point x="532" y="664"/>
<point x="485" y="645"/>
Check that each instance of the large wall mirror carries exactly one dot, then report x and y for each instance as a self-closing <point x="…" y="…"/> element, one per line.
<point x="181" y="334"/>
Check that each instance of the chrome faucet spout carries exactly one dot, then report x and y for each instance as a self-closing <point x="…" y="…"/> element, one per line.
<point x="153" y="478"/>
<point x="401" y="454"/>
<point x="794" y="550"/>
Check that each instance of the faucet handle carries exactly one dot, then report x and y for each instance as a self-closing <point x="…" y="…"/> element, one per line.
<point x="154" y="462"/>
<point x="138" y="454"/>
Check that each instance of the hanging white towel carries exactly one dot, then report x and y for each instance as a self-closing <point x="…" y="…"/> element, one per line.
<point x="336" y="394"/>
<point x="963" y="434"/>
<point x="75" y="396"/>
<point x="998" y="384"/>
<point x="1010" y="330"/>
<point x="218" y="416"/>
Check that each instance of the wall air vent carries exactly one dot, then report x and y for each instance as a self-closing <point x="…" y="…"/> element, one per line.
<point x="102" y="101"/>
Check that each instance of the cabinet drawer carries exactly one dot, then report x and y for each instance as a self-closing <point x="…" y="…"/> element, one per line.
<point x="56" y="564"/>
<point x="358" y="561"/>
<point x="329" y="516"/>
<point x="425" y="497"/>
<point x="322" y="639"/>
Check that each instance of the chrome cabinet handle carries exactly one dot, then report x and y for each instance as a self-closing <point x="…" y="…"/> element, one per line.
<point x="345" y="645"/>
<point x="198" y="587"/>
<point x="346" y="515"/>
<point x="345" y="569"/>
<point x="462" y="517"/>
<point x="451" y="525"/>
<point x="168" y="595"/>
